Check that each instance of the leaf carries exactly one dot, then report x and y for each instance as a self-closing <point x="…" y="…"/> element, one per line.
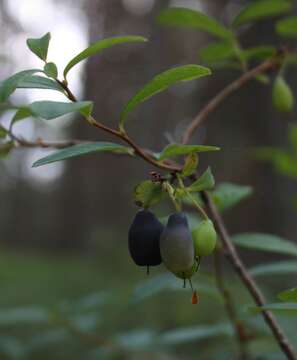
<point x="288" y="295"/>
<point x="285" y="309"/>
<point x="51" y="70"/>
<point x="262" y="9"/>
<point x="39" y="82"/>
<point x="82" y="149"/>
<point x="260" y="53"/>
<point x="227" y="195"/>
<point x="52" y="109"/>
<point x="287" y="27"/>
<point x="205" y="182"/>
<point x="282" y="95"/>
<point x="26" y="315"/>
<point x="174" y="150"/>
<point x="5" y="149"/>
<point x="22" y="113"/>
<point x="183" y="17"/>
<point x="218" y="51"/>
<point x="40" y="46"/>
<point x="277" y="268"/>
<point x="148" y="193"/>
<point x="100" y="45"/>
<point x="9" y="85"/>
<point x="136" y="339"/>
<point x="3" y="132"/>
<point x="191" y="164"/>
<point x="265" y="242"/>
<point x="162" y="82"/>
<point x="195" y="333"/>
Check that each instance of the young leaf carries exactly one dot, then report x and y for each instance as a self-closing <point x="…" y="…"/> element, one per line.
<point x="40" y="46"/>
<point x="9" y="85"/>
<point x="82" y="149"/>
<point x="52" y="109"/>
<point x="282" y="95"/>
<point x="161" y="82"/>
<point x="259" y="52"/>
<point x="265" y="242"/>
<point x="287" y="27"/>
<point x="262" y="9"/>
<point x="183" y="17"/>
<point x="148" y="193"/>
<point x="218" y="51"/>
<point x="39" y="82"/>
<point x="205" y="182"/>
<point x="3" y="132"/>
<point x="227" y="195"/>
<point x="174" y="150"/>
<point x="191" y="164"/>
<point x="275" y="269"/>
<point x="285" y="308"/>
<point x="288" y="295"/>
<point x="22" y="113"/>
<point x="98" y="47"/>
<point x="51" y="70"/>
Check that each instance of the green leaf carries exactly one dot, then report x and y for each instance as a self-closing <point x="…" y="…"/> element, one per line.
<point x="287" y="27"/>
<point x="139" y="339"/>
<point x="265" y="242"/>
<point x="25" y="315"/>
<point x="39" y="82"/>
<point x="148" y="193"/>
<point x="22" y="113"/>
<point x="187" y="18"/>
<point x="277" y="268"/>
<point x="227" y="195"/>
<point x="3" y="132"/>
<point x="260" y="53"/>
<point x="162" y="82"/>
<point x="191" y="164"/>
<point x="195" y="333"/>
<point x="98" y="47"/>
<point x="52" y="109"/>
<point x="9" y="85"/>
<point x="40" y="46"/>
<point x="174" y="150"/>
<point x="262" y="9"/>
<point x="288" y="295"/>
<point x="82" y="149"/>
<point x="285" y="309"/>
<point x="5" y="149"/>
<point x="218" y="51"/>
<point x="51" y="70"/>
<point x="205" y="182"/>
<point x="282" y="95"/>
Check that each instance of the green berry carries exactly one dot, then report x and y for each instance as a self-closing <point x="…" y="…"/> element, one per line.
<point x="205" y="238"/>
<point x="282" y="96"/>
<point x="188" y="273"/>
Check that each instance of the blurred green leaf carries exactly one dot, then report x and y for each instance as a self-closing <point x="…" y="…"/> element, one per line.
<point x="52" y="109"/>
<point x="5" y="149"/>
<point x="3" y="132"/>
<point x="261" y="53"/>
<point x="148" y="193"/>
<point x="40" y="46"/>
<point x="285" y="309"/>
<point x="227" y="195"/>
<point x="161" y="82"/>
<point x="190" y="165"/>
<point x="136" y="339"/>
<point x="8" y="86"/>
<point x="265" y="242"/>
<point x="195" y="333"/>
<point x="263" y="79"/>
<point x="174" y="150"/>
<point x="277" y="268"/>
<point x="82" y="149"/>
<point x="287" y="27"/>
<point x="282" y="95"/>
<point x="288" y="295"/>
<point x="51" y="70"/>
<point x="217" y="52"/>
<point x="22" y="113"/>
<point x="98" y="46"/>
<point x="39" y="82"/>
<point x="26" y="315"/>
<point x="262" y="9"/>
<point x="205" y="182"/>
<point x="183" y="17"/>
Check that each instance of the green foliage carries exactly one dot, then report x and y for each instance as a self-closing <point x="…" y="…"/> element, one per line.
<point x="40" y="46"/>
<point x="287" y="27"/>
<point x="190" y="165"/>
<point x="282" y="95"/>
<point x="217" y="51"/>
<point x="82" y="149"/>
<point x="6" y="148"/>
<point x="39" y="82"/>
<point x="22" y="113"/>
<point x="183" y="17"/>
<point x="52" y="109"/>
<point x="282" y="309"/>
<point x="260" y="53"/>
<point x="227" y="195"/>
<point x="162" y="82"/>
<point x="205" y="182"/>
<point x="148" y="193"/>
<point x="174" y="150"/>
<point x="99" y="46"/>
<point x="288" y="295"/>
<point x="51" y="70"/>
<point x="277" y="268"/>
<point x="265" y="242"/>
<point x="3" y="132"/>
<point x="262" y="9"/>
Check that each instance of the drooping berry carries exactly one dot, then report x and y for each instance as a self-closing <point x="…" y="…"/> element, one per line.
<point x="187" y="274"/>
<point x="205" y="238"/>
<point x="176" y="244"/>
<point x="282" y="95"/>
<point x="144" y="239"/>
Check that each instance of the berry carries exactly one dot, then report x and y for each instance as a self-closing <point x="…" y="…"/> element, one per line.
<point x="205" y="238"/>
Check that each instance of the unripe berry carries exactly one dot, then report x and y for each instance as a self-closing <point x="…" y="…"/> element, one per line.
<point x="282" y="96"/>
<point x="144" y="238"/>
<point x="188" y="273"/>
<point x="205" y="238"/>
<point x="176" y="244"/>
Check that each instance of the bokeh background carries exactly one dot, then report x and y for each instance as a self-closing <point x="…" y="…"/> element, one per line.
<point x="66" y="278"/>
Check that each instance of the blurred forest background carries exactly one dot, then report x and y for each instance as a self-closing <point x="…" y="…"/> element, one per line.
<point x="63" y="227"/>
